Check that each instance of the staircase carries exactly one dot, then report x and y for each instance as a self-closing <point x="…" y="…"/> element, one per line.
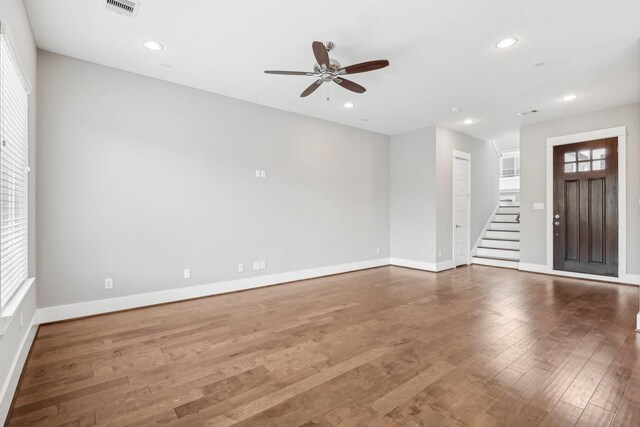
<point x="500" y="244"/>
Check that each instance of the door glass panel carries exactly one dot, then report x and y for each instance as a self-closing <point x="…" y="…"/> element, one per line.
<point x="584" y="155"/>
<point x="598" y="154"/>
<point x="584" y="166"/>
<point x="569" y="157"/>
<point x="598" y="165"/>
<point x="569" y="167"/>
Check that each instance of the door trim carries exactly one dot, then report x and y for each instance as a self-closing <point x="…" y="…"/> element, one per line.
<point x="464" y="156"/>
<point x="621" y="133"/>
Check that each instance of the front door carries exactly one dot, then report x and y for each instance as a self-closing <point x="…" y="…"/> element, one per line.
<point x="585" y="214"/>
<point x="461" y="210"/>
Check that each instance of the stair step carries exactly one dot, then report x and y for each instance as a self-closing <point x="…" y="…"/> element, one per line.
<point x="504" y="226"/>
<point x="494" y="262"/>
<point x="510" y="254"/>
<point x="509" y="210"/>
<point x="506" y="234"/>
<point x="506" y="217"/>
<point x="504" y="204"/>
<point x="500" y="244"/>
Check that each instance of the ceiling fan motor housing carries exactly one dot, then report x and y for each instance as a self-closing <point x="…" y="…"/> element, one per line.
<point x="330" y="72"/>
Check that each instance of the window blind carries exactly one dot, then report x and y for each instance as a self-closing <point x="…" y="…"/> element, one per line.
<point x="13" y="175"/>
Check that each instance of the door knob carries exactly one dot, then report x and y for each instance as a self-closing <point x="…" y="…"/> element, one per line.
<point x="556" y="223"/>
<point x="557" y="216"/>
<point x="458" y="226"/>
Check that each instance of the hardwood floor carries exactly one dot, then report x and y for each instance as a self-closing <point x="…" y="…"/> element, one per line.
<point x="476" y="346"/>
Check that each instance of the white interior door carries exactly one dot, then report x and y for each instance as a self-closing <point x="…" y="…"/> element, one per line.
<point x="461" y="210"/>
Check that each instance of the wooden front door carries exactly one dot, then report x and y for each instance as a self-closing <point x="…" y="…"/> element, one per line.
<point x="585" y="217"/>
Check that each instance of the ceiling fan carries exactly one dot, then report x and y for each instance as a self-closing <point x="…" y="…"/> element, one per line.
<point x="330" y="70"/>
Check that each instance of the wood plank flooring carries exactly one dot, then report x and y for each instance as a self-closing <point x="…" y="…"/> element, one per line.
<point x="476" y="346"/>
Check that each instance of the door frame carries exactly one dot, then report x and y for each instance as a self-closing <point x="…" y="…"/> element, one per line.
<point x="464" y="156"/>
<point x="621" y="133"/>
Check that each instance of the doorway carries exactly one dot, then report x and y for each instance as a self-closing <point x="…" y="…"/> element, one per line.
<point x="585" y="207"/>
<point x="461" y="206"/>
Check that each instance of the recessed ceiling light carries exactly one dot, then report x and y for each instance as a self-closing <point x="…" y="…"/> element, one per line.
<point x="151" y="45"/>
<point x="570" y="97"/>
<point x="469" y="121"/>
<point x="503" y="44"/>
<point x="349" y="105"/>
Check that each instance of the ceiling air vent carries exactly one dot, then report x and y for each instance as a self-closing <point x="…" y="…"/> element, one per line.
<point x="124" y="7"/>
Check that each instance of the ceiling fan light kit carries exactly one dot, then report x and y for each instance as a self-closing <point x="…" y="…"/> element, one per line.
<point x="329" y="70"/>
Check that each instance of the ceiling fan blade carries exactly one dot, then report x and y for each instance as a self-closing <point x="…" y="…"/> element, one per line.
<point x="348" y="84"/>
<point x="365" y="66"/>
<point x="321" y="54"/>
<point x="289" y="73"/>
<point x="308" y="91"/>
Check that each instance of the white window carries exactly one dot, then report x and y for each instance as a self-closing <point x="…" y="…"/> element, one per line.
<point x="510" y="164"/>
<point x="13" y="173"/>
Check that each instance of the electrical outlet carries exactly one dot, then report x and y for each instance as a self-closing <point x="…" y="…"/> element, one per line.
<point x="263" y="265"/>
<point x="256" y="265"/>
<point x="108" y="283"/>
<point x="240" y="268"/>
<point x="378" y="251"/>
<point x="439" y="252"/>
<point x="257" y="173"/>
<point x="187" y="273"/>
<point x="263" y="174"/>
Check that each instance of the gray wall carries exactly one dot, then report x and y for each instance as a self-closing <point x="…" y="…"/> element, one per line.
<point x="485" y="183"/>
<point x="421" y="191"/>
<point x="533" y="177"/>
<point x="14" y="15"/>
<point x="413" y="195"/>
<point x="140" y="179"/>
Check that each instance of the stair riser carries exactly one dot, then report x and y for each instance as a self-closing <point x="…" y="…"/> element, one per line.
<point x="506" y="218"/>
<point x="509" y="210"/>
<point x="502" y="235"/>
<point x="499" y="253"/>
<point x="495" y="262"/>
<point x="500" y="244"/>
<point x="497" y="226"/>
<point x="505" y="203"/>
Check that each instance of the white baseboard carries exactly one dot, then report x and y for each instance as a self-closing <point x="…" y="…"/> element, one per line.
<point x="419" y="265"/>
<point x="90" y="308"/>
<point x="445" y="265"/>
<point x="633" y="279"/>
<point x="10" y="385"/>
<point x="533" y="268"/>
<point x="625" y="279"/>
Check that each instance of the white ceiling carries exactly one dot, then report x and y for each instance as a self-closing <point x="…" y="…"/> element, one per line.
<point x="442" y="55"/>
